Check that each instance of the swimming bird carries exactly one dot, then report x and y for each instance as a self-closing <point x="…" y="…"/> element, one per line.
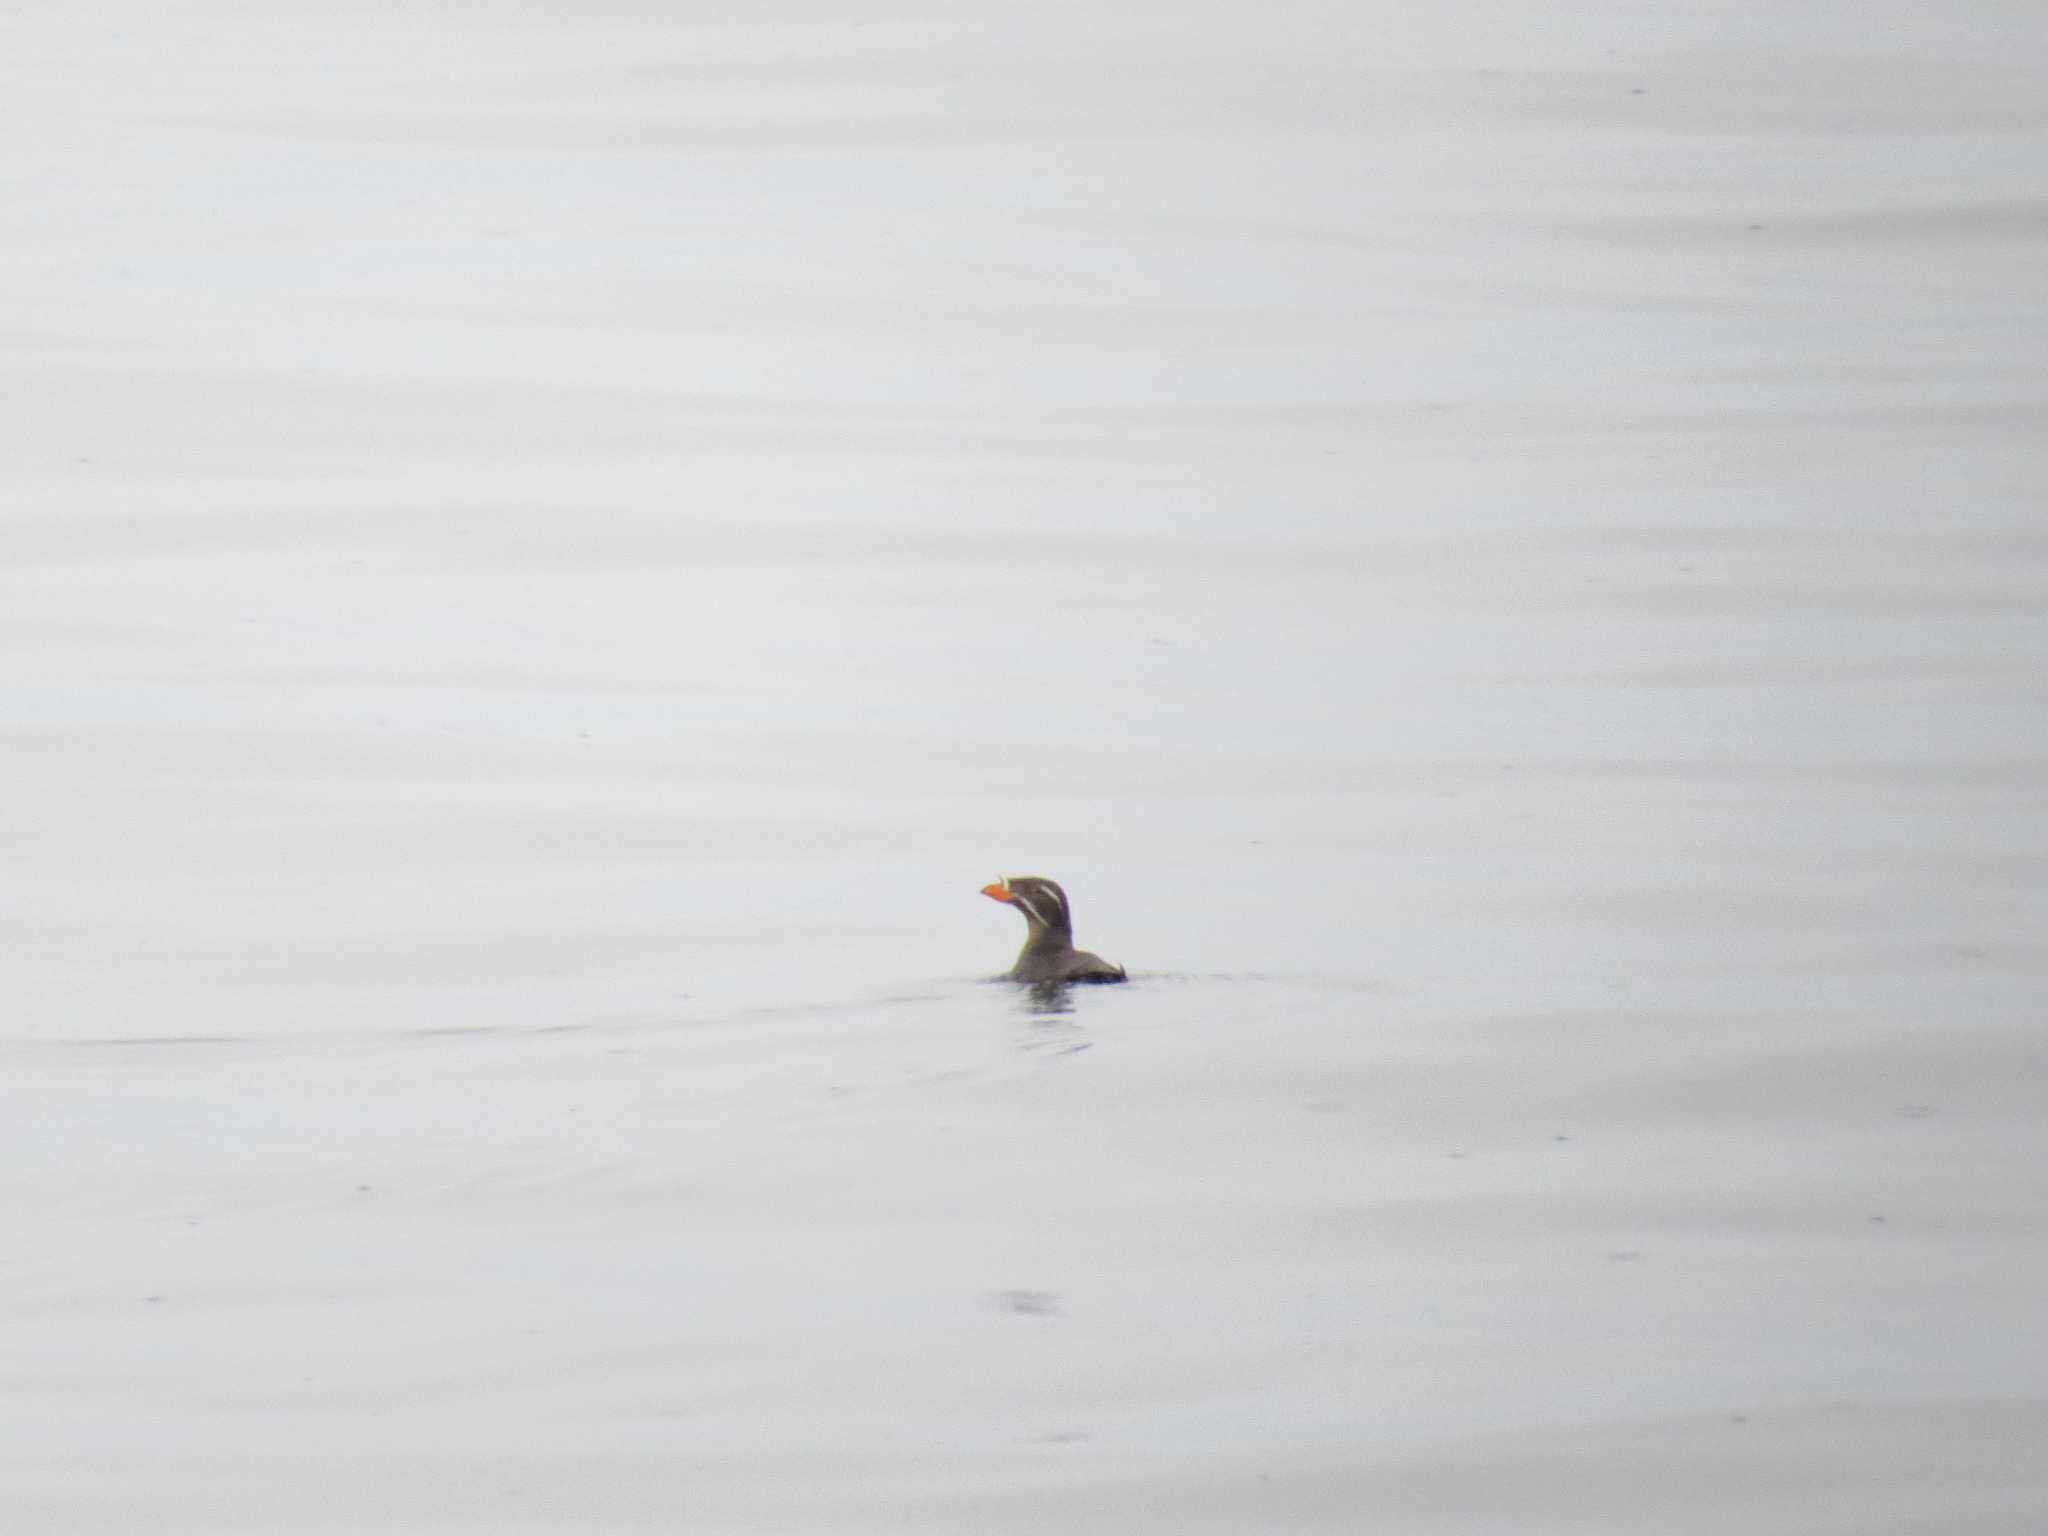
<point x="1049" y="953"/>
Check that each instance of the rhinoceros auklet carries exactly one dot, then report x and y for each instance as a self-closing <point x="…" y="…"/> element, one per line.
<point x="1049" y="953"/>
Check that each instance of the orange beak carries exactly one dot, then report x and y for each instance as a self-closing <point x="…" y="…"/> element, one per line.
<point x="998" y="892"/>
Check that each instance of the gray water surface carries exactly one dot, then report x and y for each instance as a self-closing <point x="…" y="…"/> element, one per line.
<point x="1497" y="552"/>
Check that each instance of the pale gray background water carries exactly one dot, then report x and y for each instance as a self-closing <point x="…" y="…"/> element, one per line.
<point x="1496" y="549"/>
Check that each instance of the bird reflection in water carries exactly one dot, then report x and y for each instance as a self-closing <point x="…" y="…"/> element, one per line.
<point x="1050" y="1027"/>
<point x="1045" y="998"/>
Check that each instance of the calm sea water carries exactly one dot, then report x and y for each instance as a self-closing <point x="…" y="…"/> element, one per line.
<point x="1498" y="554"/>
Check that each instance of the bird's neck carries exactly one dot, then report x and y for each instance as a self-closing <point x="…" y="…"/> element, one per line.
<point x="1039" y="937"/>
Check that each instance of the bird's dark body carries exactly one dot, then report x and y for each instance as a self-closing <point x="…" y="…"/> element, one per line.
<point x="1070" y="964"/>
